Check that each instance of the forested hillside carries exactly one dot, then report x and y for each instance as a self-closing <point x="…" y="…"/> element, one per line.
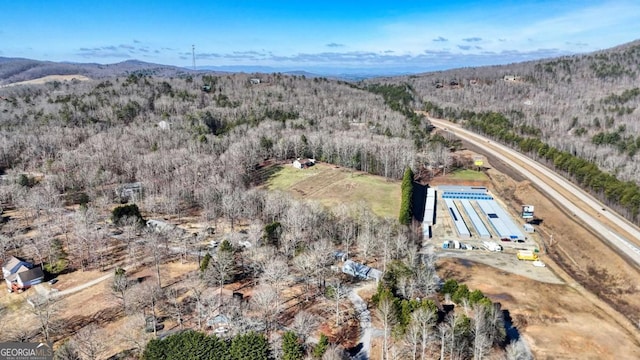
<point x="585" y="107"/>
<point x="141" y="128"/>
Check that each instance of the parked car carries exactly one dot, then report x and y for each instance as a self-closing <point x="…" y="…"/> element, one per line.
<point x="53" y="281"/>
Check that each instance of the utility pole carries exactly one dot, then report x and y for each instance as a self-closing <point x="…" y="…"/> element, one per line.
<point x="193" y="53"/>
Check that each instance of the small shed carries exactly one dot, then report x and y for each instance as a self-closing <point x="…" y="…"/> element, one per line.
<point x="528" y="228"/>
<point x="339" y="255"/>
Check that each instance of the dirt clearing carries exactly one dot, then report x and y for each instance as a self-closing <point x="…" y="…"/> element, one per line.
<point x="594" y="315"/>
<point x="556" y="320"/>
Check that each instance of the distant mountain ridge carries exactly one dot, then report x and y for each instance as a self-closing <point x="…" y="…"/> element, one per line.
<point x="19" y="69"/>
<point x="14" y="70"/>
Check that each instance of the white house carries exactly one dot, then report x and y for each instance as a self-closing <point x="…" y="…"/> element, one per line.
<point x="303" y="163"/>
<point x="20" y="274"/>
<point x="512" y="78"/>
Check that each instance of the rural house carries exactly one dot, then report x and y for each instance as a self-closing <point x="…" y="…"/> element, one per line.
<point x="512" y="78"/>
<point x="361" y="271"/>
<point x="303" y="163"/>
<point x="20" y="274"/>
<point x="129" y="192"/>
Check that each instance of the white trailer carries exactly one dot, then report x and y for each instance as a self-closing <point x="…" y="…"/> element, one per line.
<point x="492" y="246"/>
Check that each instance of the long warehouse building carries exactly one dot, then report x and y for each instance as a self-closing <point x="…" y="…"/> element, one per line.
<point x="465" y="192"/>
<point x="461" y="227"/>
<point x="430" y="208"/>
<point x="500" y="221"/>
<point x="482" y="230"/>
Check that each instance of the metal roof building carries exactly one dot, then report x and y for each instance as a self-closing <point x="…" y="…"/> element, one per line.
<point x="500" y="220"/>
<point x="465" y="192"/>
<point x="361" y="271"/>
<point x="482" y="230"/>
<point x="461" y="227"/>
<point x="430" y="208"/>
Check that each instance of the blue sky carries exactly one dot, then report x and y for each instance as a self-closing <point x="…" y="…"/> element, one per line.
<point x="352" y="35"/>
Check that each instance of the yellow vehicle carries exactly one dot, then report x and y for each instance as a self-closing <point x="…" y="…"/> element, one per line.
<point x="527" y="255"/>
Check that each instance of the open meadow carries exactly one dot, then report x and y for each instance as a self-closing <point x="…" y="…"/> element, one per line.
<point x="333" y="185"/>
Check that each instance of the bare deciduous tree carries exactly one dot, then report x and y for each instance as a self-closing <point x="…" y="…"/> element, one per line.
<point x="120" y="287"/>
<point x="46" y="310"/>
<point x="482" y="340"/>
<point x="130" y="228"/>
<point x="304" y="323"/>
<point x="518" y="350"/>
<point x="89" y="342"/>
<point x="412" y="337"/>
<point x="267" y="302"/>
<point x="157" y="248"/>
<point x="175" y="306"/>
<point x="386" y="314"/>
<point x="147" y="298"/>
<point x="275" y="273"/>
<point x="133" y="333"/>
<point x="220" y="268"/>
<point x="425" y="320"/>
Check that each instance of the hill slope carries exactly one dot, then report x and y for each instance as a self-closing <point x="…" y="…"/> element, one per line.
<point x="16" y="69"/>
<point x="583" y="106"/>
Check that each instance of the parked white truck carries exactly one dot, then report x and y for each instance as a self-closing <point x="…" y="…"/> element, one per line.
<point x="492" y="246"/>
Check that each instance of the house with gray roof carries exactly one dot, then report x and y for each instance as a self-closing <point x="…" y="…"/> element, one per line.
<point x="20" y="274"/>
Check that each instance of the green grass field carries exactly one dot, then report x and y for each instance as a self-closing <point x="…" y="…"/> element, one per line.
<point x="467" y="174"/>
<point x="332" y="186"/>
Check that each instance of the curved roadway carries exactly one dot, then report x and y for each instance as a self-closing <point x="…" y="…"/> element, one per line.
<point x="548" y="182"/>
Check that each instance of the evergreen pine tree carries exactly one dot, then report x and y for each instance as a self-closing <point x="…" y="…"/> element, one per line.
<point x="291" y="347"/>
<point x="407" y="194"/>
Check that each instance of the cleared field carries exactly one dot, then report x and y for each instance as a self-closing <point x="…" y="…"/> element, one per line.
<point x="331" y="186"/>
<point x="50" y="78"/>
<point x="470" y="175"/>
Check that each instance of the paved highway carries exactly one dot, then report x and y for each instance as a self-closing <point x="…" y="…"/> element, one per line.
<point x="549" y="180"/>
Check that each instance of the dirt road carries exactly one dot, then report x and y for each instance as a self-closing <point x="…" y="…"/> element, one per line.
<point x="365" y="324"/>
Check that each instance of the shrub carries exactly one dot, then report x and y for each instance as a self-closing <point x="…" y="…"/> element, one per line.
<point x="130" y="210"/>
